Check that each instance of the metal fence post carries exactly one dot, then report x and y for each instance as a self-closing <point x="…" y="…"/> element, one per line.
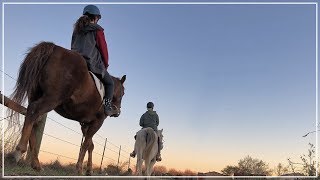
<point x="129" y="163"/>
<point x="105" y="143"/>
<point x="119" y="156"/>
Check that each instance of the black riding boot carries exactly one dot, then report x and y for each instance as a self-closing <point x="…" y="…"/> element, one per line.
<point x="108" y="110"/>
<point x="109" y="87"/>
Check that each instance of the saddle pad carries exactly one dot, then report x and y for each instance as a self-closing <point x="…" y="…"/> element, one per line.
<point x="99" y="85"/>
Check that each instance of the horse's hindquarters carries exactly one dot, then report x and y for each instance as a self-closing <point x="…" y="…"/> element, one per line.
<point x="146" y="147"/>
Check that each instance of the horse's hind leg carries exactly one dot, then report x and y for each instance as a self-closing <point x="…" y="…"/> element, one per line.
<point x="147" y="165"/>
<point x="153" y="161"/>
<point x="34" y="110"/>
<point x="139" y="165"/>
<point x="85" y="146"/>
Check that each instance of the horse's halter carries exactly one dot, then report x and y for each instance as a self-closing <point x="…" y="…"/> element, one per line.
<point x="118" y="99"/>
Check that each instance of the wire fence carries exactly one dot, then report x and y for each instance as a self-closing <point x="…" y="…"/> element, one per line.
<point x="120" y="152"/>
<point x="106" y="144"/>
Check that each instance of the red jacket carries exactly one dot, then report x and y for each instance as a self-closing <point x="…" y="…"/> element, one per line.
<point x="102" y="46"/>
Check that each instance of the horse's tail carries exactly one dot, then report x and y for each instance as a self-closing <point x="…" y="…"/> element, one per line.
<point x="151" y="139"/>
<point x="29" y="73"/>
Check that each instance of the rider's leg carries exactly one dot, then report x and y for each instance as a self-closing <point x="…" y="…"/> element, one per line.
<point x="109" y="88"/>
<point x="133" y="154"/>
<point x="160" y="146"/>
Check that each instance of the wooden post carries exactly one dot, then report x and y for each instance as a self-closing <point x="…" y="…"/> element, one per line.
<point x="12" y="105"/>
<point x="105" y="143"/>
<point x="39" y="128"/>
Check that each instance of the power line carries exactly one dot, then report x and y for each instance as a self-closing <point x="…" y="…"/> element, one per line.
<point x="74" y="130"/>
<point x="57" y="154"/>
<point x="125" y="151"/>
<point x="112" y="150"/>
<point x="8" y="75"/>
<point x="123" y="156"/>
<point x="113" y="144"/>
<point x="64" y="126"/>
<point x="61" y="139"/>
<point x="68" y="141"/>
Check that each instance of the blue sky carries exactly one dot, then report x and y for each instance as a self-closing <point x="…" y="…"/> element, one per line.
<point x="227" y="80"/>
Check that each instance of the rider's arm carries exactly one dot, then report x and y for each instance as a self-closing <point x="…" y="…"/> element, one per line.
<point x="142" y="121"/>
<point x="102" y="46"/>
<point x="157" y="120"/>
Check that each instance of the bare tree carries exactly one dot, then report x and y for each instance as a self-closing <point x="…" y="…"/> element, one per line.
<point x="280" y="169"/>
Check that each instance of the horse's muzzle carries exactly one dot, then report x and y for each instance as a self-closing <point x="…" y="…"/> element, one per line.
<point x="116" y="114"/>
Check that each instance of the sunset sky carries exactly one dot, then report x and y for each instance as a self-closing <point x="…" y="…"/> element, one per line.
<point x="227" y="80"/>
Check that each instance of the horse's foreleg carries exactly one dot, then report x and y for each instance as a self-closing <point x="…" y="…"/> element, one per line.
<point x="82" y="153"/>
<point x="93" y="128"/>
<point x="89" y="164"/>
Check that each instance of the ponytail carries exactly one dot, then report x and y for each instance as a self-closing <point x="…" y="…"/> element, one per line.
<point x="82" y="22"/>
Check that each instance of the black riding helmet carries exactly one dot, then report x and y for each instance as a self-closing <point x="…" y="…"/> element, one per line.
<point x="150" y="105"/>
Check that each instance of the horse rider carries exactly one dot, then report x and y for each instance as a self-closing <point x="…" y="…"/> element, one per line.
<point x="88" y="39"/>
<point x="150" y="119"/>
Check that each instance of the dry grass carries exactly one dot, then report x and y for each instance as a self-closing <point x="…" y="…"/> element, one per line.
<point x="56" y="168"/>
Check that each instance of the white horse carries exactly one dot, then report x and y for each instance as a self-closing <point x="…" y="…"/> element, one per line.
<point x="146" y="147"/>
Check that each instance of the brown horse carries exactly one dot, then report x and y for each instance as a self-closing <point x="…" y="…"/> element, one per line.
<point x="54" y="78"/>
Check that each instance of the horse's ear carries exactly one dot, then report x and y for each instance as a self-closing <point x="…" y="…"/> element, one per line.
<point x="123" y="79"/>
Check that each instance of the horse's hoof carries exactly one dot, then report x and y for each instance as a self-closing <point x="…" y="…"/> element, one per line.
<point x="79" y="171"/>
<point x="89" y="172"/>
<point x="39" y="168"/>
<point x="17" y="156"/>
<point x="10" y="158"/>
<point x="36" y="166"/>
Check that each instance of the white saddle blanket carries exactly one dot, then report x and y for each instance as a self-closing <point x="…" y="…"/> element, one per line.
<point x="99" y="85"/>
